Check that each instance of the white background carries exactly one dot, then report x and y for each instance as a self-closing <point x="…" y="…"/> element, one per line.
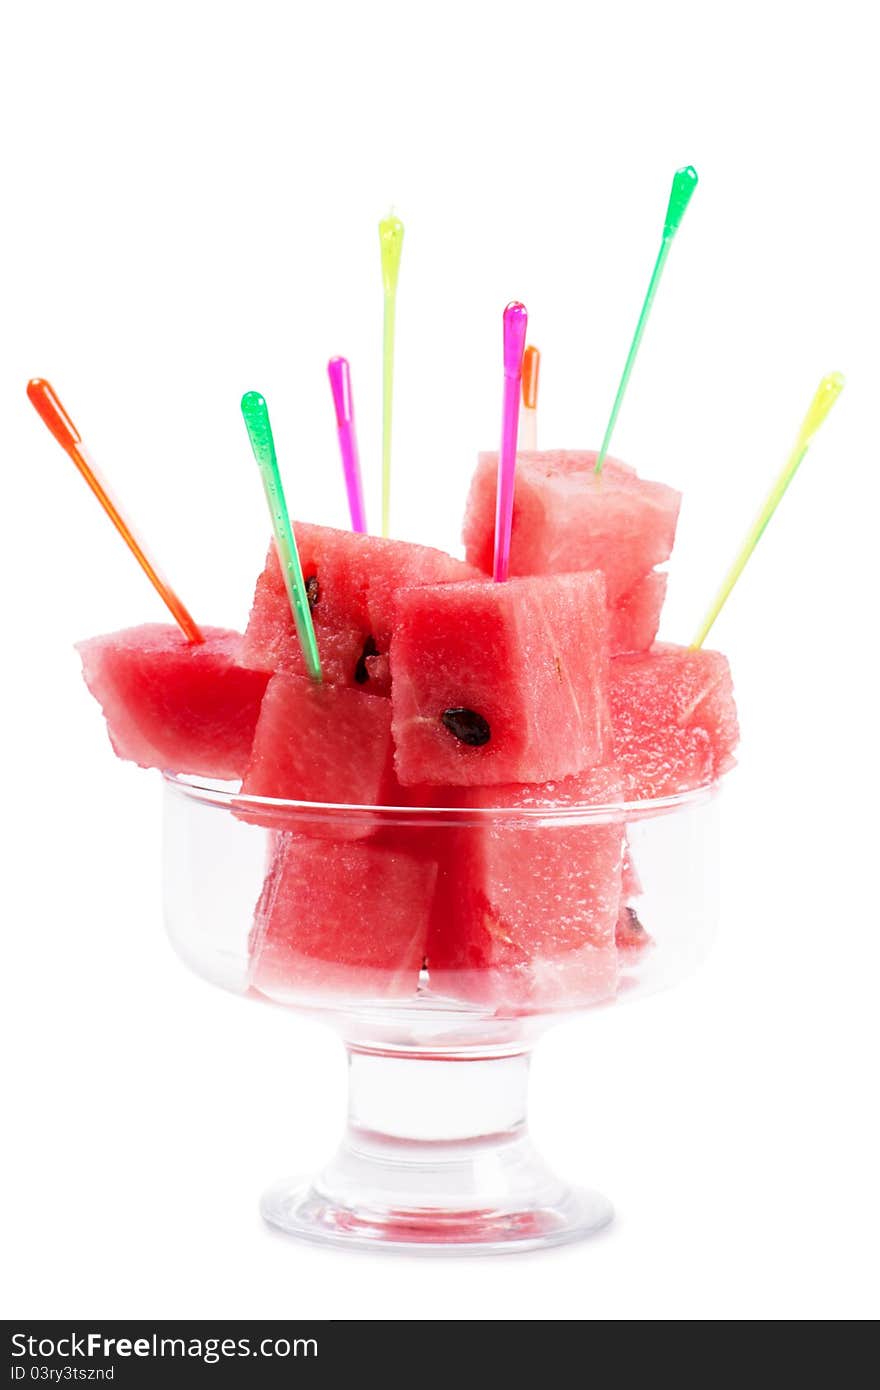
<point x="190" y="203"/>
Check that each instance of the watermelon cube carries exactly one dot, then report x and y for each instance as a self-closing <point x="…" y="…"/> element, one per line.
<point x="175" y="705"/>
<point x="351" y="580"/>
<point x="635" y="617"/>
<point x="319" y="742"/>
<point x="526" y="913"/>
<point x="270" y="640"/>
<point x="495" y="683"/>
<point x="567" y="518"/>
<point x="341" y="918"/>
<point x="389" y="566"/>
<point x="674" y="719"/>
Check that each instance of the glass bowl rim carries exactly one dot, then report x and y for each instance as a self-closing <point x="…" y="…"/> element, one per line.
<point x="204" y="790"/>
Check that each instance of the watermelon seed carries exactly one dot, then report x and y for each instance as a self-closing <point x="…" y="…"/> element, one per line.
<point x="467" y="726"/>
<point x="361" y="673"/>
<point x="634" y="923"/>
<point x="313" y="592"/>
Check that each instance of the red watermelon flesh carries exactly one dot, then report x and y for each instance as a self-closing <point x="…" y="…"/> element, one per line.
<point x="379" y="670"/>
<point x="567" y="518"/>
<point x="674" y="719"/>
<point x="178" y="706"/>
<point x="359" y="575"/>
<point x="270" y="640"/>
<point x="352" y="581"/>
<point x="395" y="565"/>
<point x="495" y="683"/>
<point x="526" y="914"/>
<point x="320" y="742"/>
<point x="635" y="617"/>
<point x="341" y="918"/>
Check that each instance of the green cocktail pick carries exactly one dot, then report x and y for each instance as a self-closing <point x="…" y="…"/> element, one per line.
<point x="829" y="389"/>
<point x="390" y="245"/>
<point x="256" y="419"/>
<point x="683" y="185"/>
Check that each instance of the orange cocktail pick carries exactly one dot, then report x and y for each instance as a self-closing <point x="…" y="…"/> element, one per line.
<point x="528" y="415"/>
<point x="58" y="422"/>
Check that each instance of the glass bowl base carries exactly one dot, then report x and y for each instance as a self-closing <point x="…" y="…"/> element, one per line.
<point x="488" y="1196"/>
<point x="436" y="1158"/>
<point x="301" y="1210"/>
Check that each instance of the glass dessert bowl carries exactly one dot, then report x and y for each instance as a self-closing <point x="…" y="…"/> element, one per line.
<point x="439" y="942"/>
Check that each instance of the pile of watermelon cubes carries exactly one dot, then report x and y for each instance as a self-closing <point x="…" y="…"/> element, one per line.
<point x="442" y="688"/>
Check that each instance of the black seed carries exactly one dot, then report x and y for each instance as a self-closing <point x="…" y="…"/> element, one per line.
<point x="634" y="923"/>
<point x="468" y="726"/>
<point x="361" y="673"/>
<point x="313" y="592"/>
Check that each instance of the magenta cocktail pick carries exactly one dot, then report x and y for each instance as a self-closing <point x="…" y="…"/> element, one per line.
<point x="516" y="322"/>
<point x="339" y="373"/>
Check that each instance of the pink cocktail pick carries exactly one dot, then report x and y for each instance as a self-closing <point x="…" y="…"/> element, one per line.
<point x="340" y="384"/>
<point x="515" y="324"/>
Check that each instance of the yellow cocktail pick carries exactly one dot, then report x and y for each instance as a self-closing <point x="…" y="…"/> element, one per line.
<point x="829" y="389"/>
<point x="390" y="245"/>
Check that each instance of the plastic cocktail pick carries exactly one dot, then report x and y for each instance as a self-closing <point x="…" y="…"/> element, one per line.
<point x="830" y="388"/>
<point x="256" y="418"/>
<point x="391" y="245"/>
<point x="56" y="419"/>
<point x="528" y="419"/>
<point x="340" y="384"/>
<point x="683" y="184"/>
<point x="515" y="324"/>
